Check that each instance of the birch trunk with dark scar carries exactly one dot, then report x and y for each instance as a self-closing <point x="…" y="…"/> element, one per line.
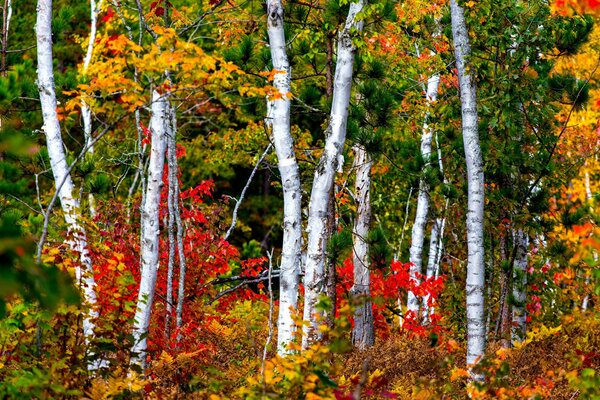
<point x="60" y="170"/>
<point x="475" y="190"/>
<point x="420" y="224"/>
<point x="519" y="312"/>
<point x="279" y="122"/>
<point x="314" y="280"/>
<point x="363" y="332"/>
<point x="150" y="225"/>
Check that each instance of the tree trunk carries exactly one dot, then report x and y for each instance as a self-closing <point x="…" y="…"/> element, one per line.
<point x="418" y="230"/>
<point x="6" y="17"/>
<point x="314" y="279"/>
<point x="150" y="225"/>
<point x="503" y="320"/>
<point x="519" y="312"/>
<point x="279" y="121"/>
<point x="64" y="184"/>
<point x="475" y="260"/>
<point x="427" y="309"/>
<point x="330" y="265"/>
<point x="171" y="198"/>
<point x="86" y="112"/>
<point x="363" y="331"/>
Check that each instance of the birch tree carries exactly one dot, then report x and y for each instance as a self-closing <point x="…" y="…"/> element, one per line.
<point x="475" y="190"/>
<point x="363" y="332"/>
<point x="86" y="112"/>
<point x="314" y="279"/>
<point x="420" y="224"/>
<point x="519" y="312"/>
<point x="77" y="241"/>
<point x="150" y="227"/>
<point x="279" y="121"/>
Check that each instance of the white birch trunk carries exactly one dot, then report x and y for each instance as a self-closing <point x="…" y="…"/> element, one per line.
<point x="86" y="112"/>
<point x="180" y="231"/>
<point x="314" y="279"/>
<point x="418" y="229"/>
<point x="431" y="267"/>
<point x="172" y="192"/>
<point x="475" y="261"/>
<point x="589" y="198"/>
<point x="519" y="312"/>
<point x="70" y="204"/>
<point x="150" y="225"/>
<point x="278" y="119"/>
<point x="363" y="331"/>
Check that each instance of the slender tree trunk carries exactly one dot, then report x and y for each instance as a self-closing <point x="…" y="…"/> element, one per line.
<point x="503" y="321"/>
<point x="420" y="225"/>
<point x="475" y="261"/>
<point x="150" y="225"/>
<point x="171" y="198"/>
<point x="363" y="331"/>
<point x="330" y="264"/>
<point x="431" y="266"/>
<point x="314" y="279"/>
<point x="519" y="312"/>
<point x="86" y="112"/>
<point x="6" y="16"/>
<point x="279" y="121"/>
<point x="180" y="229"/>
<point x="70" y="203"/>
<point x="589" y="197"/>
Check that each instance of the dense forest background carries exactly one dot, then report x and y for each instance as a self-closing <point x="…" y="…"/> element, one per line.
<point x="246" y="199"/>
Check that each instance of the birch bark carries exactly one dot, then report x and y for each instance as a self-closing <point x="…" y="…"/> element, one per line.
<point x="418" y="229"/>
<point x="86" y="112"/>
<point x="279" y="121"/>
<point x="363" y="331"/>
<point x="60" y="170"/>
<point x="314" y="278"/>
<point x="150" y="225"/>
<point x="475" y="261"/>
<point x="519" y="312"/>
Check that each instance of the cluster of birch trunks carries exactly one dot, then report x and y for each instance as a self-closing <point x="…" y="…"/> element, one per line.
<point x="303" y="253"/>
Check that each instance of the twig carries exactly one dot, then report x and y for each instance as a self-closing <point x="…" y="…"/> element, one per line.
<point x="239" y="201"/>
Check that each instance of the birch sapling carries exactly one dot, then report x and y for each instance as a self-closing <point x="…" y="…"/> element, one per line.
<point x="60" y="170"/>
<point x="314" y="279"/>
<point x="150" y="225"/>
<point x="475" y="190"/>
<point x="278" y="120"/>
<point x="363" y="331"/>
